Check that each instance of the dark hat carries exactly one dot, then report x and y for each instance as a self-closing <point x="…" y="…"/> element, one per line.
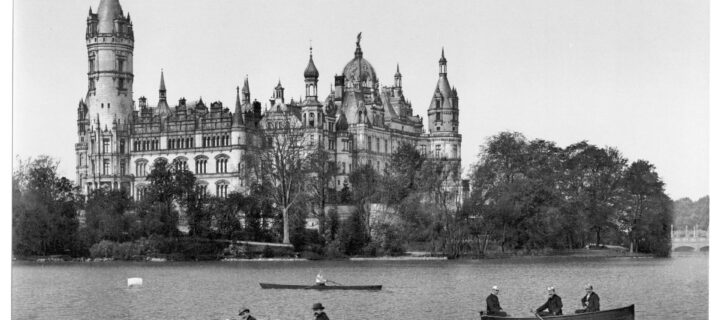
<point x="318" y="306"/>
<point x="243" y="310"/>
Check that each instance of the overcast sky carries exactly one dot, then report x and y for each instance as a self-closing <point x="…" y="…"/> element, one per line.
<point x="628" y="74"/>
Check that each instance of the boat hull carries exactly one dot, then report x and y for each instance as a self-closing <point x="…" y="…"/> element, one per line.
<point x="626" y="313"/>
<point x="314" y="287"/>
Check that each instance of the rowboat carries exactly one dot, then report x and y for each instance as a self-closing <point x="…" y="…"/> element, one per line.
<point x="316" y="287"/>
<point x="626" y="313"/>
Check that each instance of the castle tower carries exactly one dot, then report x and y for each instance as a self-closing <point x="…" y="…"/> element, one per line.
<point x="103" y="152"/>
<point x="443" y="118"/>
<point x="110" y="43"/>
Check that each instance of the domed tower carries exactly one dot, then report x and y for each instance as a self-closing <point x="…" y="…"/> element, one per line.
<point x="443" y="118"/>
<point x="312" y="114"/>
<point x="103" y="152"/>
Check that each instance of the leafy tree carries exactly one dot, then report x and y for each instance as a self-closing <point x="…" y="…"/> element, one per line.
<point x="45" y="208"/>
<point x="645" y="192"/>
<point x="105" y="217"/>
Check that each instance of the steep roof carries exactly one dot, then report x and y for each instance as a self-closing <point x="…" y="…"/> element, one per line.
<point x="107" y="11"/>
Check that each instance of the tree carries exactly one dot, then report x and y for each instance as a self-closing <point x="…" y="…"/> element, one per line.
<point x="593" y="185"/>
<point x="322" y="171"/>
<point x="364" y="182"/>
<point x="45" y="206"/>
<point x="279" y="164"/>
<point x="105" y="217"/>
<point x="157" y="208"/>
<point x="645" y="192"/>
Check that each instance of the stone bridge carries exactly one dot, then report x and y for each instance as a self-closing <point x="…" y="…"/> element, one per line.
<point x="688" y="238"/>
<point x="690" y="244"/>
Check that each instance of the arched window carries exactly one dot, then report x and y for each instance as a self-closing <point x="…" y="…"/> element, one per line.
<point x="201" y="164"/>
<point x="221" y="162"/>
<point x="141" y="167"/>
<point x="221" y="188"/>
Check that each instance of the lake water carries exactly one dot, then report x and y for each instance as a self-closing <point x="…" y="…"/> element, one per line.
<point x="411" y="289"/>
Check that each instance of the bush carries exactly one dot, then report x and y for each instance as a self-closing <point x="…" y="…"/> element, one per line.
<point x="268" y="252"/>
<point x="102" y="249"/>
<point x="334" y="250"/>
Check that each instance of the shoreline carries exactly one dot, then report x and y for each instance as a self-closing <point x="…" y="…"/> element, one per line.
<point x="413" y="256"/>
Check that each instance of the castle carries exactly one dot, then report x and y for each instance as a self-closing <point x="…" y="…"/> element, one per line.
<point x="359" y="122"/>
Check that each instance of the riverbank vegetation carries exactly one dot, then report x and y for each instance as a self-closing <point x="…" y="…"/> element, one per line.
<point x="523" y="197"/>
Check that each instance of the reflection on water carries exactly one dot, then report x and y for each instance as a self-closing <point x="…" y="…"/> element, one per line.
<point x="411" y="289"/>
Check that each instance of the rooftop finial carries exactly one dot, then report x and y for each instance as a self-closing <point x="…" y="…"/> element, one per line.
<point x="358" y="50"/>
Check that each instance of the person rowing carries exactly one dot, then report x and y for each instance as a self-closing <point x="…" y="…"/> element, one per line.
<point x="590" y="301"/>
<point x="553" y="304"/>
<point x="320" y="280"/>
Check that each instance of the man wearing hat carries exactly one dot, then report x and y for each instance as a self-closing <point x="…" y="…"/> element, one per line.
<point x="319" y="311"/>
<point x="553" y="304"/>
<point x="493" y="304"/>
<point x="244" y="314"/>
<point x="590" y="301"/>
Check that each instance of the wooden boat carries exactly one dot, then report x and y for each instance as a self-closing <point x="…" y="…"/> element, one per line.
<point x="316" y="287"/>
<point x="626" y="313"/>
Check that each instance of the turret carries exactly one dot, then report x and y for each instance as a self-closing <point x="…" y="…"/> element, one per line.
<point x="397" y="88"/>
<point x="279" y="93"/>
<point x="443" y="109"/>
<point x="311" y="78"/>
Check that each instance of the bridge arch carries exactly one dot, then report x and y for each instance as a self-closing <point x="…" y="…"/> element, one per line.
<point x="684" y="249"/>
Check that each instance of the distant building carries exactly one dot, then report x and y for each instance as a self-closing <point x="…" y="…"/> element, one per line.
<point x="359" y="122"/>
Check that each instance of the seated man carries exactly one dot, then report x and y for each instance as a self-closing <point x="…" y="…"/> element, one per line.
<point x="590" y="301"/>
<point x="493" y="304"/>
<point x="553" y="304"/>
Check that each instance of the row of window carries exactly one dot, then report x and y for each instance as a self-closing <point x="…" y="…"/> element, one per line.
<point x="221" y="165"/>
<point x="181" y="143"/>
<point x="146" y="144"/>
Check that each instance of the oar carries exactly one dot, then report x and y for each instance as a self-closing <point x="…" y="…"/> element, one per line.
<point x="536" y="314"/>
<point x="340" y="284"/>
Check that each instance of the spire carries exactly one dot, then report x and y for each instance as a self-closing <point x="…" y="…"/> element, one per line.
<point x="237" y="99"/>
<point x="162" y="85"/>
<point x="246" y="91"/>
<point x="237" y="115"/>
<point x="163" y="109"/>
<point x="443" y="63"/>
<point x="397" y="72"/>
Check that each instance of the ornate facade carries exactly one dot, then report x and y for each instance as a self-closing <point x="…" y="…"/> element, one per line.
<point x="359" y="122"/>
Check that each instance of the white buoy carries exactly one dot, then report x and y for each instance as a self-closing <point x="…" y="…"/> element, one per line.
<point x="135" y="282"/>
